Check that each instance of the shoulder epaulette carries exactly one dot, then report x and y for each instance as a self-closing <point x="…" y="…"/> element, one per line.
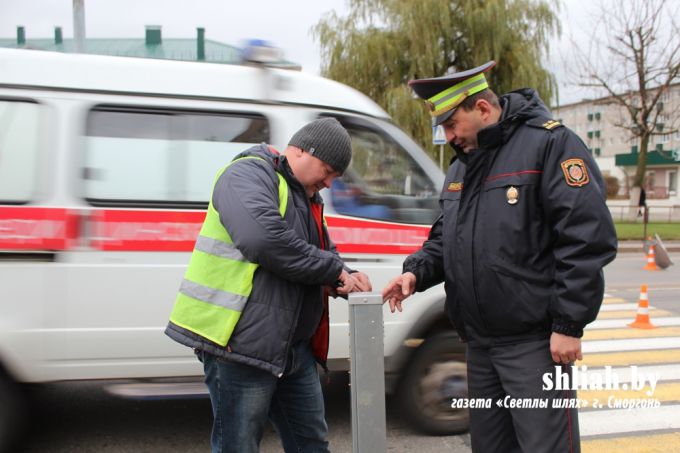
<point x="551" y="124"/>
<point x="543" y="123"/>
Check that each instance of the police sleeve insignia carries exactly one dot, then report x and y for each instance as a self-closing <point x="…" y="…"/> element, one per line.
<point x="455" y="187"/>
<point x="575" y="172"/>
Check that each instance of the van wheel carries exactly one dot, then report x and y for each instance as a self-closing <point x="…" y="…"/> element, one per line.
<point x="12" y="413"/>
<point x="432" y="378"/>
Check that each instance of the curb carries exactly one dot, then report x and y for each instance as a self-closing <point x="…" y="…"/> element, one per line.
<point x="637" y="247"/>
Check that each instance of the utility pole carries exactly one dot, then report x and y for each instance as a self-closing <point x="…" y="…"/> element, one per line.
<point x="79" y="25"/>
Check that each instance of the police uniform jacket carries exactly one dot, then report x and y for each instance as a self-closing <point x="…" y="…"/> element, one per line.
<point x="524" y="231"/>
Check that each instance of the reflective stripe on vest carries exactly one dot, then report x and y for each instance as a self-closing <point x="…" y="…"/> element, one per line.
<point x="219" y="278"/>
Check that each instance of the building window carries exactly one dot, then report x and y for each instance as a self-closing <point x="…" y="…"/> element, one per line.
<point x="598" y="116"/>
<point x="672" y="182"/>
<point x="597" y="151"/>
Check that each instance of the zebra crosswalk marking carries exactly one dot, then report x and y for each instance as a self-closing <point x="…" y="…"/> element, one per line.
<point x="610" y="334"/>
<point x="664" y="392"/>
<point x="609" y="342"/>
<point x="654" y="443"/>
<point x="629" y="314"/>
<point x="631" y="358"/>
<point x="615" y="323"/>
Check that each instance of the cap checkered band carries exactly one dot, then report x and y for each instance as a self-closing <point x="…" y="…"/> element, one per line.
<point x="451" y="97"/>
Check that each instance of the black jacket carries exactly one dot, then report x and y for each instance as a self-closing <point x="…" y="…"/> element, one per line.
<point x="524" y="231"/>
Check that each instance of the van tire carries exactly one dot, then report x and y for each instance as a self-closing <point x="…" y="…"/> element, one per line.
<point x="432" y="378"/>
<point x="12" y="413"/>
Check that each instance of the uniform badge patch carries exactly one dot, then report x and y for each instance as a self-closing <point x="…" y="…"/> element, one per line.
<point x="455" y="187"/>
<point x="512" y="194"/>
<point x="575" y="172"/>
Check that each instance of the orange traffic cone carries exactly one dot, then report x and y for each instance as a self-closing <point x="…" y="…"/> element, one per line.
<point x="651" y="259"/>
<point x="642" y="316"/>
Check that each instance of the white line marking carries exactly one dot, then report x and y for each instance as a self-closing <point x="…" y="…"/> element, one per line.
<point x="670" y="372"/>
<point x="631" y="344"/>
<point x="615" y="307"/>
<point x="618" y="323"/>
<point x="611" y="421"/>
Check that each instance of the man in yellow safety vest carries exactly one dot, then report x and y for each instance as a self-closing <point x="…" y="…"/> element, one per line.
<point x="254" y="300"/>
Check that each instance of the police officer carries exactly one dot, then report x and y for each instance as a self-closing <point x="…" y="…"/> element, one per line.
<point x="521" y="242"/>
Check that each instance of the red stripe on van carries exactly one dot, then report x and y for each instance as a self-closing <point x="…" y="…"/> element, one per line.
<point x="137" y="230"/>
<point x="176" y="231"/>
<point x="37" y="228"/>
<point x="353" y="235"/>
<point x="131" y="230"/>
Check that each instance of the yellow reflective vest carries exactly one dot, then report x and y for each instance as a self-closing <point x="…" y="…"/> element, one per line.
<point x="219" y="278"/>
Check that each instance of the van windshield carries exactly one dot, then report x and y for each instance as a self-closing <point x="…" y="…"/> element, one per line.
<point x="384" y="180"/>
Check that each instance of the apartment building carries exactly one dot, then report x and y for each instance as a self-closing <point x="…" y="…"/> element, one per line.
<point x="597" y="122"/>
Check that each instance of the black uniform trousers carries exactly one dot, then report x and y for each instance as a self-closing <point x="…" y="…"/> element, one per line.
<point x="516" y="370"/>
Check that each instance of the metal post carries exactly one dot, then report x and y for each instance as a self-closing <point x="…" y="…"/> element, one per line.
<point x="367" y="373"/>
<point x="441" y="157"/>
<point x="79" y="25"/>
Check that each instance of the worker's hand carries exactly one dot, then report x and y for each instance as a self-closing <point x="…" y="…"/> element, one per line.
<point x="361" y="282"/>
<point x="565" y="349"/>
<point x="398" y="289"/>
<point x="346" y="282"/>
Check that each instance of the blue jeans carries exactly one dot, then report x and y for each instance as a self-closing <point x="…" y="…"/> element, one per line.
<point x="244" y="397"/>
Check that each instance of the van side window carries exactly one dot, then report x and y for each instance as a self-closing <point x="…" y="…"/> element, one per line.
<point x="19" y="148"/>
<point x="383" y="181"/>
<point x="139" y="157"/>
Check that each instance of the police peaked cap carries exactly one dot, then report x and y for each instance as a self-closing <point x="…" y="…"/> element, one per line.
<point x="443" y="94"/>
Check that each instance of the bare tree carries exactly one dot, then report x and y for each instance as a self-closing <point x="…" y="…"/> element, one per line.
<point x="634" y="57"/>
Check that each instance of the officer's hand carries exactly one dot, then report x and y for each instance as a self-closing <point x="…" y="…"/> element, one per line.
<point x="398" y="289"/>
<point x="361" y="282"/>
<point x="565" y="349"/>
<point x="347" y="283"/>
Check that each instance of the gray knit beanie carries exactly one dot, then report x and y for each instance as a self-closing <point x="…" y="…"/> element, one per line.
<point x="327" y="140"/>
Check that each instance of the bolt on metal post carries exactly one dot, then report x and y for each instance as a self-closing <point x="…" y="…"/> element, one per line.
<point x="367" y="373"/>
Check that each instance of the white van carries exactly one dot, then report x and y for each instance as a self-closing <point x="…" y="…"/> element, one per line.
<point x="106" y="167"/>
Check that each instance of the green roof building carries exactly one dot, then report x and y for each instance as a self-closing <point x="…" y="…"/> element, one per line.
<point x="152" y="46"/>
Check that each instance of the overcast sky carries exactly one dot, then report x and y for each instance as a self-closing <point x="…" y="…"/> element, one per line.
<point x="285" y="23"/>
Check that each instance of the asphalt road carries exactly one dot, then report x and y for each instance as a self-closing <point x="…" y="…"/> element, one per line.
<point x="624" y="277"/>
<point x="81" y="417"/>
